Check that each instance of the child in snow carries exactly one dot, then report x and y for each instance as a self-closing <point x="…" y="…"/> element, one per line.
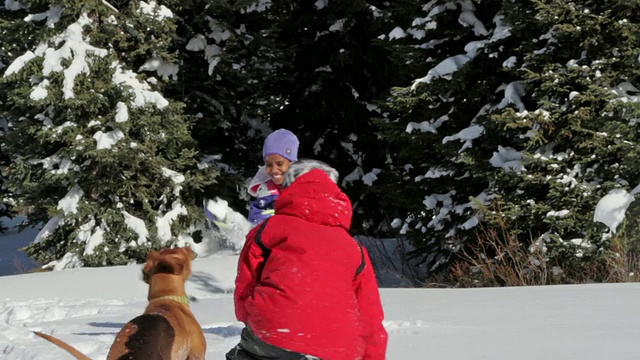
<point x="280" y="149"/>
<point x="305" y="288"/>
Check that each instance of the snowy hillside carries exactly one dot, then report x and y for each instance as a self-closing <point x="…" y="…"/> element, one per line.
<point x="87" y="307"/>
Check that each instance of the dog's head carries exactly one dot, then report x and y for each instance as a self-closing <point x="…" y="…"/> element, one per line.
<point x="175" y="261"/>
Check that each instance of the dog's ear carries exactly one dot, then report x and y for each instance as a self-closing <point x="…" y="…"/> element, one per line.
<point x="190" y="253"/>
<point x="146" y="276"/>
<point x="147" y="269"/>
<point x="146" y="272"/>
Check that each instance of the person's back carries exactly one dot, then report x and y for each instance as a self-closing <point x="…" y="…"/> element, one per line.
<point x="316" y="293"/>
<point x="307" y="288"/>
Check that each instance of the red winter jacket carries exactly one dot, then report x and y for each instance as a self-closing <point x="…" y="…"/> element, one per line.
<point x="305" y="296"/>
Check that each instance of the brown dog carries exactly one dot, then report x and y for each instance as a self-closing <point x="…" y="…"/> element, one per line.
<point x="167" y="329"/>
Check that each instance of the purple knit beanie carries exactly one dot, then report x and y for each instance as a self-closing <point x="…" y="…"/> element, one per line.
<point x="282" y="142"/>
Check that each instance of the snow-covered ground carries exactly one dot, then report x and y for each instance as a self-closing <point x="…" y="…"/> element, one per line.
<point x="87" y="307"/>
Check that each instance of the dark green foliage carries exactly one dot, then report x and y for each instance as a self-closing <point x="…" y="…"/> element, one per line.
<point x="522" y="113"/>
<point x="226" y="82"/>
<point x="6" y="198"/>
<point x="337" y="70"/>
<point x="90" y="157"/>
<point x="559" y="93"/>
<point x="312" y="69"/>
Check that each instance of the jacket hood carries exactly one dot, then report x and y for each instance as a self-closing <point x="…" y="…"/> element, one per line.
<point x="314" y="197"/>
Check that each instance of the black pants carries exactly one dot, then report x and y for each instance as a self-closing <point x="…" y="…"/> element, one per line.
<point x="252" y="348"/>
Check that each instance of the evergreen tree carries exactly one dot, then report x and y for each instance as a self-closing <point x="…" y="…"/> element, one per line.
<point x="6" y="198"/>
<point x="335" y="70"/>
<point x="316" y="68"/>
<point x="6" y="201"/>
<point x="98" y="153"/>
<point x="226" y="82"/>
<point x="527" y="113"/>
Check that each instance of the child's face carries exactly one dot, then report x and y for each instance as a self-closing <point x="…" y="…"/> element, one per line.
<point x="276" y="166"/>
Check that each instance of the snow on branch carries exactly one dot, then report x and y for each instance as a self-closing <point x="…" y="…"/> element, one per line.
<point x="454" y="63"/>
<point x="444" y="68"/>
<point x="74" y="47"/>
<point x="141" y="90"/>
<point x="153" y="10"/>
<point x="467" y="135"/>
<point x="52" y="16"/>
<point x="611" y="209"/>
<point x="512" y="95"/>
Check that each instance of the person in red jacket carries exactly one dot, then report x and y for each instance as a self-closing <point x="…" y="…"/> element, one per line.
<point x="305" y="289"/>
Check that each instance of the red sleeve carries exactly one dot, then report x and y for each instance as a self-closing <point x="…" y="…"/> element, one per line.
<point x="368" y="296"/>
<point x="249" y="268"/>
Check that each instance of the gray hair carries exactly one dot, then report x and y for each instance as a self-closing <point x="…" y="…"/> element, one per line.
<point x="303" y="166"/>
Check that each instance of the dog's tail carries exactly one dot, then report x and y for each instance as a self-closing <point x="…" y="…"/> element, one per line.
<point x="70" y="349"/>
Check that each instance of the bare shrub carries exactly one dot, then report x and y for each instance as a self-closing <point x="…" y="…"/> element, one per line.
<point x="21" y="267"/>
<point x="622" y="262"/>
<point x="499" y="258"/>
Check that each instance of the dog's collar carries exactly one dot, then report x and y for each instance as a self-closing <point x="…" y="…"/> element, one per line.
<point x="180" y="299"/>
